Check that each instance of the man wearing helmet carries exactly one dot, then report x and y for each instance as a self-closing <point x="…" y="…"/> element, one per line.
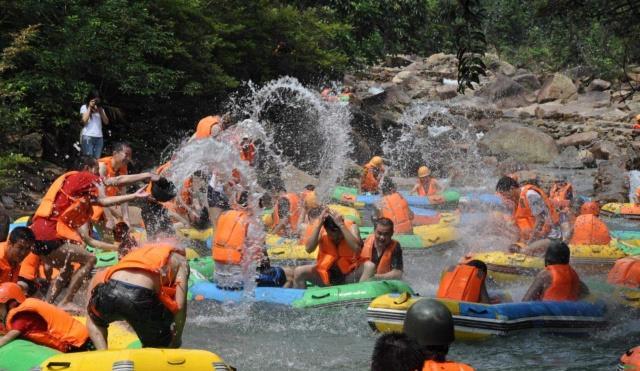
<point x="372" y="175"/>
<point x="427" y="185"/>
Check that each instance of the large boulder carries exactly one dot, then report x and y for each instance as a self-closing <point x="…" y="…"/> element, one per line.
<point x="528" y="80"/>
<point x="578" y="139"/>
<point x="609" y="183"/>
<point x="503" y="91"/>
<point x="604" y="150"/>
<point x="447" y="91"/>
<point x="556" y="87"/>
<point x="494" y="63"/>
<point x="598" y="85"/>
<point x="521" y="143"/>
<point x="568" y="159"/>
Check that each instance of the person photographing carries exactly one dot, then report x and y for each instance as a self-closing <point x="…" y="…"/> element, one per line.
<point x="93" y="117"/>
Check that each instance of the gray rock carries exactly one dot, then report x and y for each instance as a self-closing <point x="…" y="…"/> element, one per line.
<point x="578" y="139"/>
<point x="587" y="158"/>
<point x="8" y="202"/>
<point x="31" y="144"/>
<point x="447" y="91"/>
<point x="503" y="91"/>
<point x="583" y="73"/>
<point x="521" y="143"/>
<point x="568" y="159"/>
<point x="528" y="80"/>
<point x="605" y="150"/>
<point x="556" y="87"/>
<point x="609" y="182"/>
<point x="598" y="85"/>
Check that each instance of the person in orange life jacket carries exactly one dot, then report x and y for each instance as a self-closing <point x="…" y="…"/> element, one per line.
<point x="17" y="263"/>
<point x="588" y="228"/>
<point x="465" y="282"/>
<point x="248" y="150"/>
<point x="110" y="167"/>
<point x="286" y="213"/>
<point x="561" y="196"/>
<point x="558" y="281"/>
<point x="40" y="322"/>
<point x="430" y="324"/>
<point x="372" y="175"/>
<point x="338" y="260"/>
<point x="427" y="185"/>
<point x="306" y="229"/>
<point x="394" y="351"/>
<point x="534" y="215"/>
<point x="148" y="289"/>
<point x="382" y="255"/>
<point x="212" y="126"/>
<point x="61" y="224"/>
<point x="393" y="206"/>
<point x="309" y="202"/>
<point x="158" y="219"/>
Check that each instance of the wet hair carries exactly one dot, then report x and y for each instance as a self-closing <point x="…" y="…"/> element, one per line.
<point x="92" y="94"/>
<point x="330" y="225"/>
<point x="121" y="146"/>
<point x="506" y="184"/>
<point x="265" y="200"/>
<point x="314" y="212"/>
<point x="203" y="221"/>
<point x="163" y="190"/>
<point x="385" y="222"/>
<point x="557" y="253"/>
<point x="310" y="187"/>
<point x="21" y="233"/>
<point x="396" y="352"/>
<point x="387" y="186"/>
<point x="482" y="267"/>
<point x="84" y="162"/>
<point x="243" y="199"/>
<point x="436" y="353"/>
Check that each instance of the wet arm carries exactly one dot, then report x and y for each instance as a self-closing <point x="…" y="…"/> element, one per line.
<point x="537" y="287"/>
<point x="180" y="318"/>
<point x="351" y="236"/>
<point x="103" y="116"/>
<point x="86" y="237"/>
<point x="98" y="334"/>
<point x="116" y="200"/>
<point x="394" y="274"/>
<point x="414" y="190"/>
<point x="128" y="179"/>
<point x="9" y="337"/>
<point x="312" y="243"/>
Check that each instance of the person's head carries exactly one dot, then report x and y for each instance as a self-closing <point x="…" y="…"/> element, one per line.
<point x="508" y="188"/>
<point x="242" y="200"/>
<point x="480" y="265"/>
<point x="590" y="207"/>
<point x="424" y="172"/>
<point x="122" y="152"/>
<point x="21" y="240"/>
<point x="202" y="220"/>
<point x="557" y="253"/>
<point x="376" y="161"/>
<point x="93" y="94"/>
<point x="310" y="187"/>
<point x="163" y="190"/>
<point x="638" y="118"/>
<point x="383" y="231"/>
<point x="430" y="324"/>
<point x="314" y="213"/>
<point x="332" y="229"/>
<point x="387" y="187"/>
<point x="11" y="296"/>
<point x="87" y="163"/>
<point x="280" y="189"/>
<point x="396" y="352"/>
<point x="311" y="201"/>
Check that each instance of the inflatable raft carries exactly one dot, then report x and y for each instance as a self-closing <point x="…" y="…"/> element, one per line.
<point x="508" y="267"/>
<point x="349" y="196"/>
<point x="625" y="235"/>
<point x="313" y="297"/>
<point x="423" y="237"/>
<point x="136" y="359"/>
<point x="474" y="321"/>
<point x="621" y="210"/>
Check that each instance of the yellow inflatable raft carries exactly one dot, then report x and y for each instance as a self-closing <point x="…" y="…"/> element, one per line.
<point x="147" y="359"/>
<point x="120" y="337"/>
<point x="509" y="267"/>
<point x="347" y="212"/>
<point x="280" y="248"/>
<point x="194" y="234"/>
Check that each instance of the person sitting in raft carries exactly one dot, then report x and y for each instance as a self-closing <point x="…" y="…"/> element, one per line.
<point x="561" y="196"/>
<point x="286" y="213"/>
<point x="61" y="223"/>
<point x="40" y="322"/>
<point x="429" y="323"/>
<point x="394" y="351"/>
<point x="393" y="206"/>
<point x="427" y="185"/>
<point x="372" y="174"/>
<point x="108" y="168"/>
<point x="17" y="263"/>
<point x="148" y="289"/>
<point x="248" y="150"/>
<point x="558" y="281"/>
<point x="588" y="229"/>
<point x="338" y="259"/>
<point x="212" y="126"/>
<point x="382" y="255"/>
<point x="465" y="282"/>
<point x="328" y="94"/>
<point x="306" y="229"/>
<point x="625" y="272"/>
<point x="533" y="214"/>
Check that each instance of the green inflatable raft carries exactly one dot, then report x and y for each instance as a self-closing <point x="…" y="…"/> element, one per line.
<point x="22" y="355"/>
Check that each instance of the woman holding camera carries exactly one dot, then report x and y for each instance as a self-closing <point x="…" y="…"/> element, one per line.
<point x="93" y="117"/>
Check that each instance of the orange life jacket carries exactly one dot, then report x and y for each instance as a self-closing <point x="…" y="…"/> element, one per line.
<point x="74" y="217"/>
<point x="63" y="331"/>
<point x="45" y="209"/>
<point x="396" y="208"/>
<point x="630" y="360"/>
<point x="463" y="284"/>
<point x="432" y="188"/>
<point x="329" y="255"/>
<point x="524" y="218"/>
<point x="249" y="154"/>
<point x="590" y="230"/>
<point x="625" y="272"/>
<point x="153" y="258"/>
<point x="445" y="366"/>
<point x="384" y="264"/>
<point x="203" y="130"/>
<point x="30" y="267"/>
<point x="559" y="196"/>
<point x="565" y="284"/>
<point x="231" y="232"/>
<point x="8" y="273"/>
<point x="112" y="173"/>
<point x="369" y="182"/>
<point x="295" y="211"/>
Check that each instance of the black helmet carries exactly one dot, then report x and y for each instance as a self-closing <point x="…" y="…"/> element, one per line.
<point x="429" y="322"/>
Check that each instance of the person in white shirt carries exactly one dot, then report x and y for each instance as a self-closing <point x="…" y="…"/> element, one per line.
<point x="93" y="117"/>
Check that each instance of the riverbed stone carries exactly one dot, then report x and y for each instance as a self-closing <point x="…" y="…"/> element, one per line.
<point x="521" y="143"/>
<point x="556" y="87"/>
